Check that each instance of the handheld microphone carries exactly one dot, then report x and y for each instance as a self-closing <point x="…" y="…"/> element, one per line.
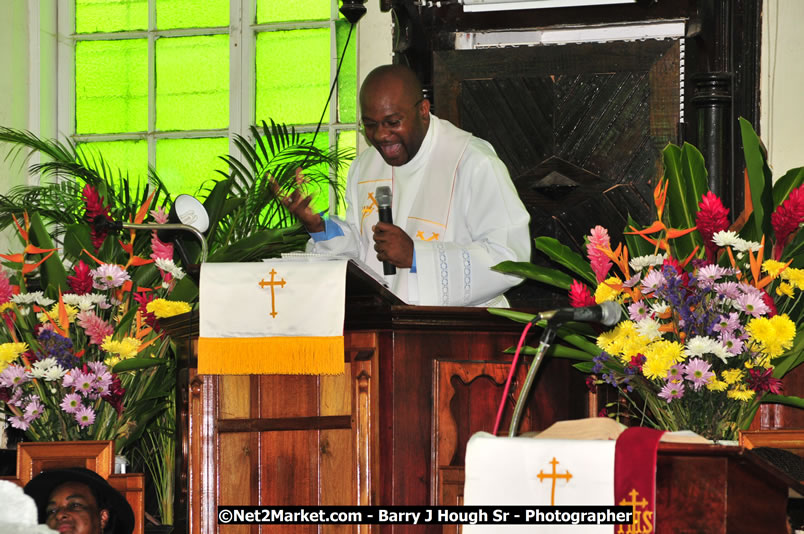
<point x="383" y="195"/>
<point x="607" y="313"/>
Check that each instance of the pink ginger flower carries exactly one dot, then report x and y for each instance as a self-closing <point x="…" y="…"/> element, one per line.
<point x="712" y="217"/>
<point x="96" y="328"/>
<point x="159" y="249"/>
<point x="580" y="295"/>
<point x="600" y="263"/>
<point x="159" y="215"/>
<point x="786" y="219"/>
<point x="6" y="290"/>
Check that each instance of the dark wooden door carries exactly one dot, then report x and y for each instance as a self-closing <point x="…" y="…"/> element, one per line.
<point x="580" y="127"/>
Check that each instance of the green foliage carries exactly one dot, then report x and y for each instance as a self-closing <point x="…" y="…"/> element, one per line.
<point x="686" y="175"/>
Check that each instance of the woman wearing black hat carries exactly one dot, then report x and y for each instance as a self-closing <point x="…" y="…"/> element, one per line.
<point x="75" y="500"/>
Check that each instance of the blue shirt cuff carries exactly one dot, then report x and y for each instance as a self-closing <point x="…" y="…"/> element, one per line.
<point x="330" y="230"/>
<point x="413" y="262"/>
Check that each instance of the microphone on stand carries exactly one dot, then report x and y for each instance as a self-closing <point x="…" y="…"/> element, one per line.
<point x="608" y="313"/>
<point x="383" y="195"/>
<point x="186" y="215"/>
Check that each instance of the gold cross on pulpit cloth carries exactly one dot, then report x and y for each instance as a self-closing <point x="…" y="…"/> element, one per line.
<point x="272" y="317"/>
<point x="272" y="283"/>
<point x="554" y="476"/>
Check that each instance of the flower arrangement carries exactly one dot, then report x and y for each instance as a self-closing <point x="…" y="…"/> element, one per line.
<point x="711" y="309"/>
<point x="82" y="356"/>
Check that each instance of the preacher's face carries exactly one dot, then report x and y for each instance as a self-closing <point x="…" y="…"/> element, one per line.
<point x="394" y="122"/>
<point x="72" y="509"/>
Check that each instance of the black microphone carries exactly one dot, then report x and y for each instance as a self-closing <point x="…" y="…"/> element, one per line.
<point x="383" y="195"/>
<point x="607" y="313"/>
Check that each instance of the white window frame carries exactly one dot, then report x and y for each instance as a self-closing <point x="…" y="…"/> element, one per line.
<point x="242" y="76"/>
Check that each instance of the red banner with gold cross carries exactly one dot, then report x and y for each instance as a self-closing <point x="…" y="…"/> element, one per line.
<point x="635" y="477"/>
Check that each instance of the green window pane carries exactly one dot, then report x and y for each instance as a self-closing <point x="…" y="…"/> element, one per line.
<point x="111" y="86"/>
<point x="347" y="140"/>
<point x="292" y="75"/>
<point x="284" y="11"/>
<point x="92" y="16"/>
<point x="192" y="82"/>
<point x="191" y="13"/>
<point x="347" y="79"/>
<point x="126" y="158"/>
<point x="184" y="165"/>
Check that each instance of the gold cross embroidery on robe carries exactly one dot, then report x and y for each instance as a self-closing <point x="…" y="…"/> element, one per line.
<point x="433" y="236"/>
<point x="272" y="283"/>
<point x="368" y="209"/>
<point x="554" y="476"/>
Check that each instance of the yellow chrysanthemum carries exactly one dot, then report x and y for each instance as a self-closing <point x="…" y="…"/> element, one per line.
<point x="785" y="289"/>
<point x="660" y="356"/>
<point x="794" y="276"/>
<point x="72" y="311"/>
<point x="7" y="306"/>
<point x="111" y="361"/>
<point x="773" y="335"/>
<point x="127" y="348"/>
<point x="605" y="292"/>
<point x="772" y="267"/>
<point x="167" y="308"/>
<point x="624" y="341"/>
<point x="732" y="376"/>
<point x="11" y="351"/>
<point x="741" y="393"/>
<point x="716" y="385"/>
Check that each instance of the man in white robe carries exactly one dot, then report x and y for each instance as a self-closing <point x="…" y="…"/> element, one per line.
<point x="455" y="209"/>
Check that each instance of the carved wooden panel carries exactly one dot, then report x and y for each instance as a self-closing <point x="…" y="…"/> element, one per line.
<point x="580" y="128"/>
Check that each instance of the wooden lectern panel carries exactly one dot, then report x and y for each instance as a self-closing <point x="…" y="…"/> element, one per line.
<point x="370" y="436"/>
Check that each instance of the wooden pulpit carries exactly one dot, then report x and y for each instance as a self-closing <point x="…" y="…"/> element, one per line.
<point x="390" y="430"/>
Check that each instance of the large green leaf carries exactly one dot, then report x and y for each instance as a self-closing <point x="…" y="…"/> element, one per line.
<point x="563" y="255"/>
<point x="786" y="184"/>
<point x="545" y="275"/>
<point x="760" y="181"/>
<point x="53" y="275"/>
<point x="685" y="171"/>
<point x="787" y="400"/>
<point x="514" y="315"/>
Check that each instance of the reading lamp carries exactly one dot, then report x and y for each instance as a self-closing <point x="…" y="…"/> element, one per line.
<point x="186" y="215"/>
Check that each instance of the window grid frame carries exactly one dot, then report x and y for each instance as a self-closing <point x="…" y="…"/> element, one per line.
<point x="242" y="31"/>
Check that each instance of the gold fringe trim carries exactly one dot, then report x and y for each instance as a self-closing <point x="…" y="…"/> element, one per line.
<point x="271" y="356"/>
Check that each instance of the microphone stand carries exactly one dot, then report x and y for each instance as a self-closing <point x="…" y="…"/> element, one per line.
<point x="548" y="335"/>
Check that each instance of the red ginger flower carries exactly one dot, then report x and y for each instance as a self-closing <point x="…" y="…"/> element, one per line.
<point x="787" y="218"/>
<point x="143" y="298"/>
<point x="6" y="290"/>
<point x="115" y="395"/>
<point x="711" y="218"/>
<point x="580" y="296"/>
<point x="95" y="208"/>
<point x="81" y="283"/>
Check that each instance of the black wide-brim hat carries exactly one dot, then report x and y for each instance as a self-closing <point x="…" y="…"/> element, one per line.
<point x="42" y="485"/>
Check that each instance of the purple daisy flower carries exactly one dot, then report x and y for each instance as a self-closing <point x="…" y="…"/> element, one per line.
<point x="727" y="325"/>
<point x="109" y="276"/>
<point x="710" y="274"/>
<point x="729" y="290"/>
<point x="672" y="391"/>
<point x="675" y="373"/>
<point x="82" y="382"/>
<point x="85" y="416"/>
<point x="638" y="311"/>
<point x="653" y="281"/>
<point x="71" y="403"/>
<point x="21" y="423"/>
<point x="697" y="371"/>
<point x="751" y="304"/>
<point x="34" y="408"/>
<point x="733" y="344"/>
<point x="13" y="375"/>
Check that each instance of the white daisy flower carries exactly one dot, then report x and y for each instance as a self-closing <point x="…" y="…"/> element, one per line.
<point x="659" y="307"/>
<point x="168" y="266"/>
<point x="700" y="345"/>
<point x="84" y="302"/>
<point x="648" y="328"/>
<point x="641" y="262"/>
<point x="36" y="297"/>
<point x="725" y="238"/>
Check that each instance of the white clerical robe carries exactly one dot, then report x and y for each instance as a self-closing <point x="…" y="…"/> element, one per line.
<point x="456" y="201"/>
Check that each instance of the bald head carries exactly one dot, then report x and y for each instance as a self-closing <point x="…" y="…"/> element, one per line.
<point x="395" y="115"/>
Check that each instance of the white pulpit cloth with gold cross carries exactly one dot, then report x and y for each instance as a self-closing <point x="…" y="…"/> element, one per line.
<point x="538" y="472"/>
<point x="272" y="317"/>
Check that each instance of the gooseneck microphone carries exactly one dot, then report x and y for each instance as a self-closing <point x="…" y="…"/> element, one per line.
<point x="383" y="195"/>
<point x="608" y="313"/>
